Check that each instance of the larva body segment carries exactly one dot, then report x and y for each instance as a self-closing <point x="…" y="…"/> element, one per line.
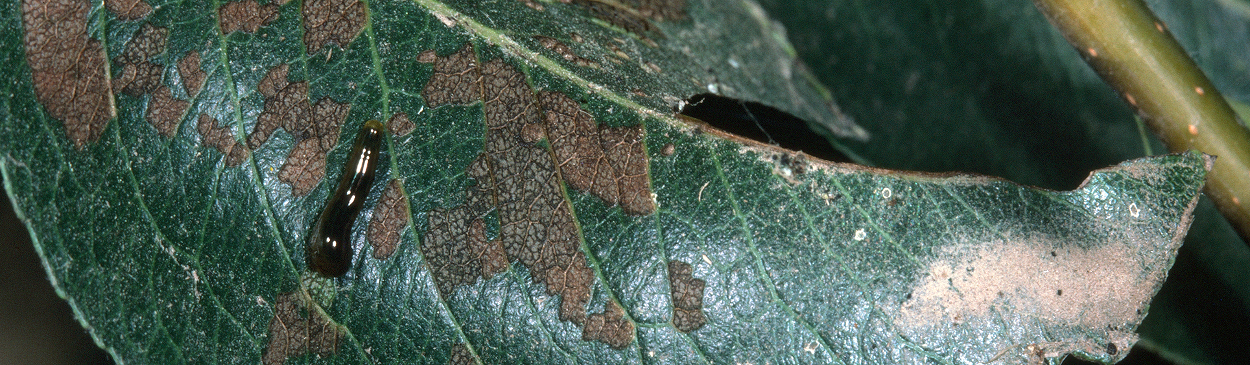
<point x="329" y="246"/>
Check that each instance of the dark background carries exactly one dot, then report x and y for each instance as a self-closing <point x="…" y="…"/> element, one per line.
<point x="36" y="326"/>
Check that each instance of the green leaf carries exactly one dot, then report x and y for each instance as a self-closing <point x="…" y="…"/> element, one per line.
<point x="991" y="87"/>
<point x="175" y="224"/>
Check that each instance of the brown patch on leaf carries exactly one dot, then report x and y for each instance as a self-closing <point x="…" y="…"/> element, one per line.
<point x="314" y="127"/>
<point x="623" y="147"/>
<point x="298" y="328"/>
<point x="518" y="179"/>
<point x="390" y="216"/>
<point x="148" y="42"/>
<point x="1100" y="285"/>
<point x="274" y="81"/>
<point x="460" y="355"/>
<point x="288" y="109"/>
<point x="659" y="9"/>
<point x="331" y="21"/>
<point x="564" y="51"/>
<point x="68" y="68"/>
<point x="138" y="78"/>
<point x="609" y="327"/>
<point x="619" y="15"/>
<point x="536" y="225"/>
<point x="304" y="167"/>
<point x="651" y="66"/>
<point x="165" y="111"/>
<point x="139" y="75"/>
<point x="452" y="247"/>
<point x="455" y="79"/>
<point x="192" y="75"/>
<point x="489" y="252"/>
<point x="306" y="164"/>
<point x="607" y="162"/>
<point x="575" y="141"/>
<point x="246" y="15"/>
<point x="455" y="246"/>
<point x="635" y="15"/>
<point x="400" y="125"/>
<point x="128" y="10"/>
<point x="222" y="139"/>
<point x="142" y="76"/>
<point x="687" y="297"/>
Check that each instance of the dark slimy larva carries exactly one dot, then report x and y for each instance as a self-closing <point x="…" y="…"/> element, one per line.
<point x="329" y="244"/>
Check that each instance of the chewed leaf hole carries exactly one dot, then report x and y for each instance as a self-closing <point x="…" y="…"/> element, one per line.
<point x="761" y="123"/>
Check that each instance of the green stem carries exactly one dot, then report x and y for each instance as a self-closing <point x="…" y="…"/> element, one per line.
<point x="1133" y="51"/>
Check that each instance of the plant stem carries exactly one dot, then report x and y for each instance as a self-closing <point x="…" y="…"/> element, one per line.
<point x="1133" y="51"/>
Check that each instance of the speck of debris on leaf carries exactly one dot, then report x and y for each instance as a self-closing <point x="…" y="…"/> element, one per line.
<point x="298" y="328"/>
<point x="651" y="66"/>
<point x="400" y="125"/>
<point x="192" y="75"/>
<point x="389" y="217"/>
<point x="331" y="22"/>
<point x="455" y="79"/>
<point x="68" y="68"/>
<point x="222" y="139"/>
<point x="314" y="127"/>
<point x="796" y="162"/>
<point x="128" y="10"/>
<point x="687" y="294"/>
<point x="247" y="16"/>
<point x="165" y="111"/>
<point x="668" y="150"/>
